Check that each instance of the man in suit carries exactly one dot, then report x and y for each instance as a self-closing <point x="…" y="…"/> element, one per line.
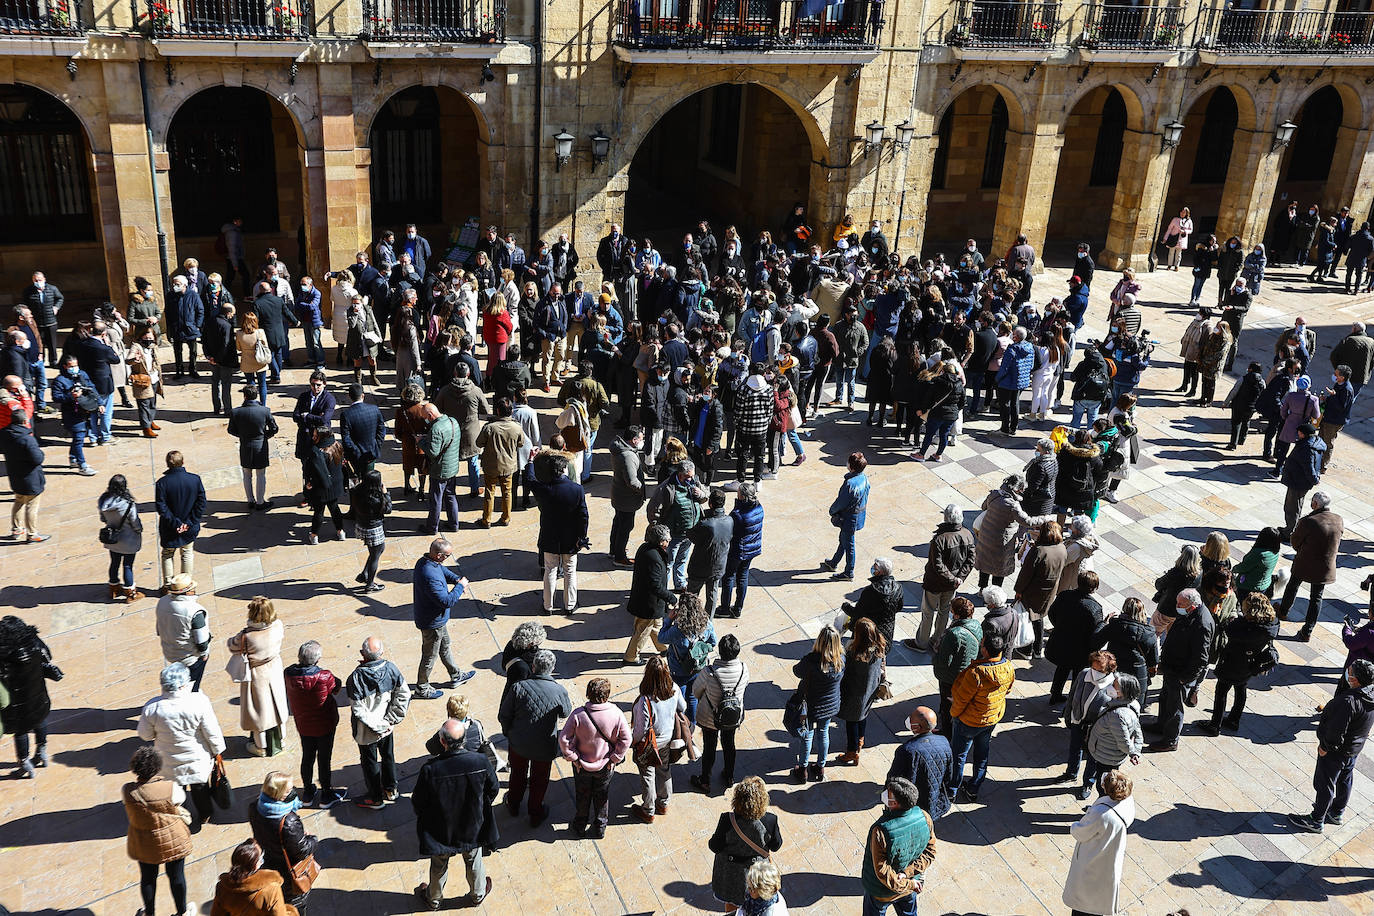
<point x="275" y="319"/>
<point x="562" y="531"/>
<point x="95" y="357"/>
<point x="180" y="498"/>
<point x="252" y="424"/>
<point x="45" y="301"/>
<point x="609" y="253"/>
<point x="551" y="322"/>
<point x="314" y="409"/>
<point x="363" y="431"/>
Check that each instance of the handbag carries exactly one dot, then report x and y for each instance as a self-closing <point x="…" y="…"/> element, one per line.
<point x="221" y="792"/>
<point x="794" y="714"/>
<point x="262" y="353"/>
<point x="763" y="853"/>
<point x="1170" y="240"/>
<point x="88" y="401"/>
<point x="301" y="876"/>
<point x="646" y="753"/>
<point x="110" y="535"/>
<point x="1023" y="634"/>
<point x="237" y="668"/>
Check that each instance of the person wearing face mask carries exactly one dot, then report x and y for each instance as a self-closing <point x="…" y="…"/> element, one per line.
<point x="1358" y="250"/>
<point x="875" y="243"/>
<point x="1114" y="736"/>
<point x="417" y="246"/>
<point x="1253" y="268"/>
<point x="45" y="300"/>
<point x="565" y="260"/>
<point x="609" y="253"/>
<point x="1236" y="305"/>
<point x="899" y="850"/>
<point x="145" y="377"/>
<point x="1342" y="732"/>
<point x="1304" y="236"/>
<point x="308" y="310"/>
<point x="1229" y="261"/>
<point x="1093" y="688"/>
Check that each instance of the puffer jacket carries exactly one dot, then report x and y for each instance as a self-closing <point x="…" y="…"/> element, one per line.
<point x="746" y="539"/>
<point x="1042" y="472"/>
<point x="957" y="650"/>
<point x="310" y="693"/>
<point x="1116" y="734"/>
<point x="1134" y="644"/>
<point x="949" y="560"/>
<point x="1245" y="640"/>
<point x="158" y="832"/>
<point x="880" y="601"/>
<point x="715" y="681"/>
<point x="1079" y="470"/>
<point x="1017" y="363"/>
<point x="820" y="687"/>
<point x="979" y="695"/>
<point x="259" y="894"/>
<point x="529" y="717"/>
<point x="186" y="733"/>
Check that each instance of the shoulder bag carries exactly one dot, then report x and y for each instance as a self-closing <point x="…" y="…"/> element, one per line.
<point x="300" y="876"/>
<point x="221" y="792"/>
<point x="110" y="535"/>
<point x="794" y="713"/>
<point x="262" y="352"/>
<point x="237" y="668"/>
<point x="762" y="853"/>
<point x="645" y="753"/>
<point x="602" y="735"/>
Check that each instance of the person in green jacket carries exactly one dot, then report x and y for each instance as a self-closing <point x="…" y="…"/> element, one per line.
<point x="442" y="446"/>
<point x="899" y="851"/>
<point x="1255" y="573"/>
<point x="957" y="650"/>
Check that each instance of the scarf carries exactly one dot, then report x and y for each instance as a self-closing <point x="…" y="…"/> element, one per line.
<point x="757" y="906"/>
<point x="270" y="807"/>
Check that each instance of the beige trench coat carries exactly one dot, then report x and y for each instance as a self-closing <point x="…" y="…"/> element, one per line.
<point x="262" y="700"/>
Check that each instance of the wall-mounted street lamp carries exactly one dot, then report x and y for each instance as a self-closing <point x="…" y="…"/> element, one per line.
<point x="601" y="148"/>
<point x="562" y="149"/>
<point x="873" y="136"/>
<point x="1173" y="132"/>
<point x="1283" y="134"/>
<point x="905" y="131"/>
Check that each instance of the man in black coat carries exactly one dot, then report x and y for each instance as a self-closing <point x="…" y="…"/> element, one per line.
<point x="880" y="601"/>
<point x="275" y="319"/>
<point x="180" y="499"/>
<point x="363" y="431"/>
<point x="976" y="368"/>
<point x="95" y="357"/>
<point x="1182" y="662"/>
<point x="1342" y="732"/>
<point x="565" y="260"/>
<point x="562" y="531"/>
<point x="452" y="799"/>
<point x="220" y="347"/>
<point x="651" y="593"/>
<point x="45" y="301"/>
<point x="610" y="254"/>
<point x="1076" y="617"/>
<point x="710" y="538"/>
<point x="510" y="375"/>
<point x="14" y="358"/>
<point x="24" y="467"/>
<point x="252" y="424"/>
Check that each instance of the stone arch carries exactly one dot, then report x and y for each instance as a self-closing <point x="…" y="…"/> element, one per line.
<point x="304" y="112"/>
<point x="1130" y="95"/>
<point x="366" y="114"/>
<point x="85" y="109"/>
<point x="1016" y="106"/>
<point x="1100" y="133"/>
<point x="1247" y="107"/>
<point x="1199" y="177"/>
<point x="1319" y="165"/>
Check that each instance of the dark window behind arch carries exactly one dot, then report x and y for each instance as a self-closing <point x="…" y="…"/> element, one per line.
<point x="1314" y="142"/>
<point x="997" y="145"/>
<point x="222" y="162"/>
<point x="940" y="166"/>
<point x="1111" y="133"/>
<point x="44" y="170"/>
<point x="1218" y="134"/>
<point x="407" y="181"/>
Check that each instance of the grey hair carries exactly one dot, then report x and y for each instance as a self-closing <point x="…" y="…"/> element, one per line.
<point x="174" y="677"/>
<point x="1128" y="686"/>
<point x="372" y="649"/>
<point x="1044" y="444"/>
<point x="672" y="271"/>
<point x="904" y="792"/>
<point x="1128" y="298"/>
<point x="309" y="653"/>
<point x="953" y="514"/>
<point x="1019" y="334"/>
<point x="529" y="635"/>
<point x="542" y="663"/>
<point x="1321" y="499"/>
<point x="657" y="534"/>
<point x="1015" y="482"/>
<point x="749" y="492"/>
<point x="994" y="596"/>
<point x="688" y="466"/>
<point x="1190" y="595"/>
<point x="882" y="566"/>
<point x="1358" y="327"/>
<point x="1081" y="525"/>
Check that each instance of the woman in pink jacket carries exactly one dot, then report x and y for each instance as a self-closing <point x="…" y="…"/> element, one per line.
<point x="594" y="739"/>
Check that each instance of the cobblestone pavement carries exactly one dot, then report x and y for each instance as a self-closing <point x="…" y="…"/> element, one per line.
<point x="1211" y="833"/>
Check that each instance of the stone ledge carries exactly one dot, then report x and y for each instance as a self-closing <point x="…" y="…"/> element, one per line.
<point x="219" y="47"/>
<point x="41" y="46"/>
<point x="745" y="57"/>
<point x="511" y="54"/>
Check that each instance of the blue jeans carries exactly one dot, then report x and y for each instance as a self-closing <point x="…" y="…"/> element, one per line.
<point x="103" y="421"/>
<point x="941" y="431"/>
<point x="40" y="384"/>
<point x="845" y="550"/>
<point x="679" y="552"/>
<point x="817" y="734"/>
<point x="980" y="740"/>
<point x="843" y="379"/>
<point x="736" y="577"/>
<point x="1085" y="410"/>
<point x="587" y="457"/>
<point x="314" y="350"/>
<point x="280" y="357"/>
<point x="474" y="474"/>
<point x="904" y="906"/>
<point x="77" y="450"/>
<point x="686" y="688"/>
<point x="1199" y="280"/>
<point x="259" y="379"/>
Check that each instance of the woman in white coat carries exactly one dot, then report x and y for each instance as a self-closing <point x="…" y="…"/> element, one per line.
<point x="1180" y="227"/>
<point x="340" y="296"/>
<point x="1093" y="887"/>
<point x="181" y="724"/>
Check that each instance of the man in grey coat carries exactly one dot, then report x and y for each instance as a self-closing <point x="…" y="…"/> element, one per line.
<point x="627" y="490"/>
<point x="710" y="539"/>
<point x="529" y="717"/>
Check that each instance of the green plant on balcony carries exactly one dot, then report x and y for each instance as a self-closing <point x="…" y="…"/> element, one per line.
<point x="156" y="19"/>
<point x="1303" y="41"/>
<point x="1167" y="35"/>
<point x="285" y="19"/>
<point x="1339" y="41"/>
<point x="1040" y="32"/>
<point x="692" y="34"/>
<point x="1091" y="37"/>
<point x="60" y="14"/>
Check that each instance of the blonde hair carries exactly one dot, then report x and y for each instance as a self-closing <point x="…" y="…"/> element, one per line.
<point x="1217" y="548"/>
<point x="260" y="610"/>
<point x="458" y="707"/>
<point x="1257" y="608"/>
<point x="749" y="798"/>
<point x="277" y="785"/>
<point x="763" y="880"/>
<point x="497" y="304"/>
<point x="830" y="648"/>
<point x="1117" y="785"/>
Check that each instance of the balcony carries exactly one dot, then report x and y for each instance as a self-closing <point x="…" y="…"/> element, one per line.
<point x="1228" y="30"/>
<point x="459" y="21"/>
<point x="748" y="25"/>
<point x="41" y="17"/>
<point x="1004" y="24"/>
<point x="228" y="20"/>
<point x="1127" y="27"/>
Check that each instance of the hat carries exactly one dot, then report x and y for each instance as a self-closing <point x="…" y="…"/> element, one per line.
<point x="605" y="299"/>
<point x="842" y="245"/>
<point x="1076" y="279"/>
<point x="181" y="583"/>
<point x="1307" y="429"/>
<point x="1304" y="383"/>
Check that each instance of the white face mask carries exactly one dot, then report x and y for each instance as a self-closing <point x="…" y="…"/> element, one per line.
<point x="886" y="798"/>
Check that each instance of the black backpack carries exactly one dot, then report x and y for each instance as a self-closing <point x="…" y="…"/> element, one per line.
<point x="729" y="714"/>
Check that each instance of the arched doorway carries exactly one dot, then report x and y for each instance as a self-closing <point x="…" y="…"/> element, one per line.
<point x="47" y="195"/>
<point x="1310" y="158"/>
<point x="967" y="172"/>
<point x="1203" y="159"/>
<point x="426" y="162"/>
<point x="735" y="154"/>
<point x="1089" y="164"/>
<point x="237" y="152"/>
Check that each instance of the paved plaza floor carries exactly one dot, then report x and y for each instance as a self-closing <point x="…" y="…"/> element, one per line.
<point x="1211" y="833"/>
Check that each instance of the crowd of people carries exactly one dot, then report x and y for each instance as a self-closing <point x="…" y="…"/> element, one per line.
<point x="704" y="365"/>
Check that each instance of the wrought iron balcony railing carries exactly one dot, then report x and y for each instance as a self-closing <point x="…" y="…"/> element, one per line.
<point x="1004" y="24"/>
<point x="435" y="20"/>
<point x="762" y="25"/>
<point x="41" y="17"/>
<point x="234" y="20"/>
<point x="1117" y="25"/>
<point x="1250" y="31"/>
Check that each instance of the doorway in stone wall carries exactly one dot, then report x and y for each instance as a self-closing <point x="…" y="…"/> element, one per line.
<point x="1089" y="166"/>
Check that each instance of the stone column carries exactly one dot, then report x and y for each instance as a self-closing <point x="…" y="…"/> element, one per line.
<point x="123" y="185"/>
<point x="1248" y="193"/>
<point x="1353" y="184"/>
<point x="337" y="196"/>
<point x="1027" y="189"/>
<point x="1140" y="192"/>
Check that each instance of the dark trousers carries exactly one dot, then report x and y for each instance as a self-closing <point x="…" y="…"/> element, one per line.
<point x="374" y="559"/>
<point x="1171" y="694"/>
<point x="316" y="755"/>
<point x="984" y="578"/>
<point x="1314" y="600"/>
<point x="735" y="584"/>
<point x="854" y="734"/>
<point x="1271" y="430"/>
<point x="1078" y="739"/>
<point x="811" y="387"/>
<point x="197" y="671"/>
<point x="21" y="741"/>
<point x="1011" y="409"/>
<point x="975" y="385"/>
<point x="1293" y="500"/>
<point x="443" y="498"/>
<point x="1063" y="674"/>
<point x="1354" y="267"/>
<point x="1219" y="702"/>
<point x="1190" y="376"/>
<point x="202" y="803"/>
<point x="622" y="524"/>
<point x="1209" y="388"/>
<point x="49" y="332"/>
<point x="1240" y="427"/>
<point x="317" y="518"/>
<point x="747" y="447"/>
<point x="708" y="752"/>
<point x="190" y="364"/>
<point x="592" y="790"/>
<point x="706" y="464"/>
<point x="176" y="878"/>
<point x="1094" y="769"/>
<point x="943" y="724"/>
<point x="1332" y="781"/>
<point x="533" y="774"/>
<point x="379" y="766"/>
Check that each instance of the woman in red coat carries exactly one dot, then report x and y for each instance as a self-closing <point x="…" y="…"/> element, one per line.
<point x="497" y="328"/>
<point x="310" y="693"/>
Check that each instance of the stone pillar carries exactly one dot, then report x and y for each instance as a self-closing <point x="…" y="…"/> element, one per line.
<point x="1023" y="201"/>
<point x="1140" y="193"/>
<point x="123" y="185"/>
<point x="1248" y="194"/>
<point x="1353" y="184"/>
<point x="337" y="196"/>
<point x="907" y="229"/>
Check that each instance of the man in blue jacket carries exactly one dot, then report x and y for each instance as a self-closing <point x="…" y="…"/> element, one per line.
<point x="848" y="513"/>
<point x="312" y="321"/>
<point x="363" y="431"/>
<point x="180" y="498"/>
<point x="551" y="322"/>
<point x="435" y="591"/>
<point x="1013" y="377"/>
<point x="1302" y="471"/>
<point x="1336" y="403"/>
<point x="928" y="762"/>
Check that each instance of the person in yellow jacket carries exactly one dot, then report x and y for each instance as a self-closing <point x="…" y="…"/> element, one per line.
<point x="978" y="700"/>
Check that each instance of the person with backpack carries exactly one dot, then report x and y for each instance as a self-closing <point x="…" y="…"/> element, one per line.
<point x="688" y="638"/>
<point x="1247" y="652"/>
<point x="1091" y="382"/>
<point x="1115" y="735"/>
<point x="719" y="692"/>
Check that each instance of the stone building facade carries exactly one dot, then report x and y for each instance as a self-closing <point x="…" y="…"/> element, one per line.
<point x="1059" y="120"/>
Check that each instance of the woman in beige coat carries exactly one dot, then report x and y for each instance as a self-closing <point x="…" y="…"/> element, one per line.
<point x="262" y="698"/>
<point x="254" y="369"/>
